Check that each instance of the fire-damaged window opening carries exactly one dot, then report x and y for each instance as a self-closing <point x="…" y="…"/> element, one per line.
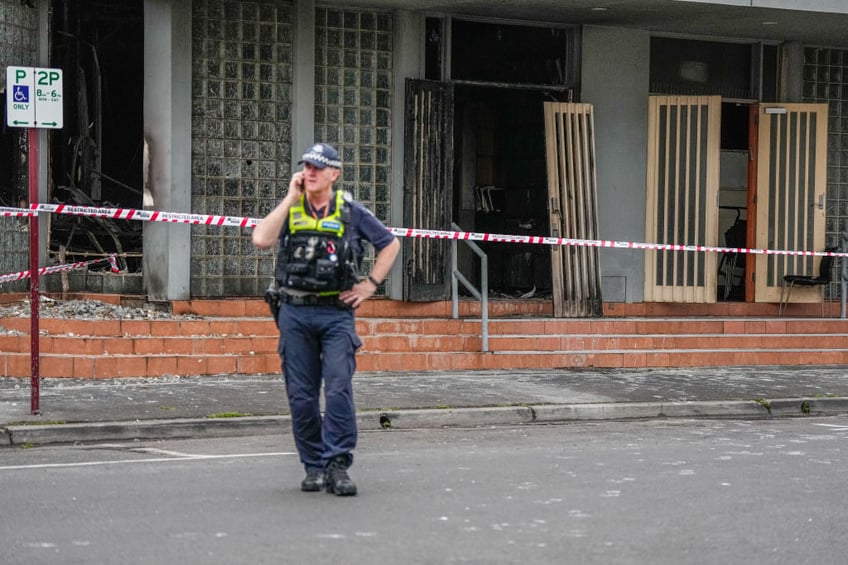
<point x="97" y="158"/>
<point x="502" y="75"/>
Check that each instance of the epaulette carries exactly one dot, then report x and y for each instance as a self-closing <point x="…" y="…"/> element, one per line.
<point x="347" y="198"/>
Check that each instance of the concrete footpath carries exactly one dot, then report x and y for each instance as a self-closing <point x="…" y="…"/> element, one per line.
<point x="74" y="410"/>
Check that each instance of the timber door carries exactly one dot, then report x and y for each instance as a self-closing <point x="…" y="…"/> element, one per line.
<point x="573" y="208"/>
<point x="428" y="188"/>
<point x="682" y="197"/>
<point x="791" y="191"/>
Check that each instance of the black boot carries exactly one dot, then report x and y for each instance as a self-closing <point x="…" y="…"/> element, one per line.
<point x="338" y="481"/>
<point x="313" y="482"/>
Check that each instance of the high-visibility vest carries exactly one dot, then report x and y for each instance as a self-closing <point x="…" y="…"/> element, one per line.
<point x="314" y="255"/>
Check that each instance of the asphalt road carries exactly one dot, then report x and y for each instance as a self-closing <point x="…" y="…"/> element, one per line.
<point x="658" y="492"/>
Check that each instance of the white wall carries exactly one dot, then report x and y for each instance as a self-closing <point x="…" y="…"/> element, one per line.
<point x="615" y="65"/>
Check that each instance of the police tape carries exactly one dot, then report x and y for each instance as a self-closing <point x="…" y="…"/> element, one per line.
<point x="233" y="221"/>
<point x="61" y="268"/>
<point x="146" y="215"/>
<point x="17" y="212"/>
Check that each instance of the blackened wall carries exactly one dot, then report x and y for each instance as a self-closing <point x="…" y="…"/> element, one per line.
<point x="18" y="47"/>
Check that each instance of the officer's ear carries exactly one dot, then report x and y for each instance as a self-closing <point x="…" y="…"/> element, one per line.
<point x="336" y="174"/>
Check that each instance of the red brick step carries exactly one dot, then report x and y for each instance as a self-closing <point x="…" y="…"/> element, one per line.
<point x="237" y="336"/>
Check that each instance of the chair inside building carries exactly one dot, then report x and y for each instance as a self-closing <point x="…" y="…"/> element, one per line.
<point x="821" y="280"/>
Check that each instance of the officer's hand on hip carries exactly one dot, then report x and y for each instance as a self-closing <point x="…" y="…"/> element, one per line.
<point x="359" y="293"/>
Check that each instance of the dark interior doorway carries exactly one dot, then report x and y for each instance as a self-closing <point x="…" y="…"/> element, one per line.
<point x="500" y="183"/>
<point x="733" y="199"/>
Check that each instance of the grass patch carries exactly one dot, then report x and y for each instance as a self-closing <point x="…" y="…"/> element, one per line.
<point x="228" y="415"/>
<point x="38" y="423"/>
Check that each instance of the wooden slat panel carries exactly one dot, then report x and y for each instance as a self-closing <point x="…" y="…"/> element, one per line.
<point x="556" y="213"/>
<point x="682" y="191"/>
<point x="572" y="192"/>
<point x="791" y="171"/>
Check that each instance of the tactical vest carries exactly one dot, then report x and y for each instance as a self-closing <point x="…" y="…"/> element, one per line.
<point x="314" y="255"/>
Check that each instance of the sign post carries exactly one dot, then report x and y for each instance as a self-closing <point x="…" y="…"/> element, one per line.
<point x="33" y="101"/>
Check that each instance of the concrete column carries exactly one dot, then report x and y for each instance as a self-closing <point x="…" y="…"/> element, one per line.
<point x="407" y="63"/>
<point x="791" y="78"/>
<point x="303" y="116"/>
<point x="615" y="80"/>
<point x="167" y="146"/>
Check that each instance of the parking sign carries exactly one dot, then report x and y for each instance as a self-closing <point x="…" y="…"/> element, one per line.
<point x="20" y="111"/>
<point x="34" y="97"/>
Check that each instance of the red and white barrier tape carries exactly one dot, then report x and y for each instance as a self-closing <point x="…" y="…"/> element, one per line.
<point x="560" y="241"/>
<point x="61" y="268"/>
<point x="143" y="215"/>
<point x="17" y="212"/>
<point x="212" y="220"/>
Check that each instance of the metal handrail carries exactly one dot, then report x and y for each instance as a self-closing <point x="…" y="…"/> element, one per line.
<point x="482" y="295"/>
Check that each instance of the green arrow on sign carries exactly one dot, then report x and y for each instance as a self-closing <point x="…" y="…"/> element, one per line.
<point x="49" y="123"/>
<point x="17" y="123"/>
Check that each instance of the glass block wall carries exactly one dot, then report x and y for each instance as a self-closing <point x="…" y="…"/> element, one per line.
<point x="241" y="136"/>
<point x="353" y="98"/>
<point x="826" y="80"/>
<point x="18" y="25"/>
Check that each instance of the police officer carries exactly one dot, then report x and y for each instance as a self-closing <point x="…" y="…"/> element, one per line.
<point x="319" y="232"/>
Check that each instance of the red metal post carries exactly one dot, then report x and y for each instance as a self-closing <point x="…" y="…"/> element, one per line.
<point x="35" y="299"/>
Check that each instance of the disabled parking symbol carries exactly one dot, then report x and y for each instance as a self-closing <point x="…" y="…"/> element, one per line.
<point x="20" y="94"/>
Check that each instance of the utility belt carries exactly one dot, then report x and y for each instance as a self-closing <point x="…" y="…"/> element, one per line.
<point x="276" y="297"/>
<point x="310" y="300"/>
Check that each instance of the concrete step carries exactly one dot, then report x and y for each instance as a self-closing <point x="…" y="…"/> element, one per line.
<point x="371" y="361"/>
<point x="158" y="365"/>
<point x="218" y="345"/>
<point x="253" y="326"/>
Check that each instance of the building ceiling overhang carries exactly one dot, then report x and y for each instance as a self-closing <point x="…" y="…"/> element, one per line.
<point x="820" y="23"/>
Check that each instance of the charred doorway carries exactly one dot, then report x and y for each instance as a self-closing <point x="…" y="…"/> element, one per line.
<point x="500" y="75"/>
<point x="500" y="183"/>
<point x="97" y="158"/>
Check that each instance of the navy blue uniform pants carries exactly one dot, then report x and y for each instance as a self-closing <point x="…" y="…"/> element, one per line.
<point x="318" y="344"/>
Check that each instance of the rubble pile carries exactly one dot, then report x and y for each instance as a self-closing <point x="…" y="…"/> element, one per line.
<point x="88" y="310"/>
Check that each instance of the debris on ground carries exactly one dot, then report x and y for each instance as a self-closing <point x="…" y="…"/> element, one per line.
<point x="89" y="310"/>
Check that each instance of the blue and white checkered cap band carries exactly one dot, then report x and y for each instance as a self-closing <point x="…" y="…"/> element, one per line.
<point x="322" y="155"/>
<point x="312" y="156"/>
